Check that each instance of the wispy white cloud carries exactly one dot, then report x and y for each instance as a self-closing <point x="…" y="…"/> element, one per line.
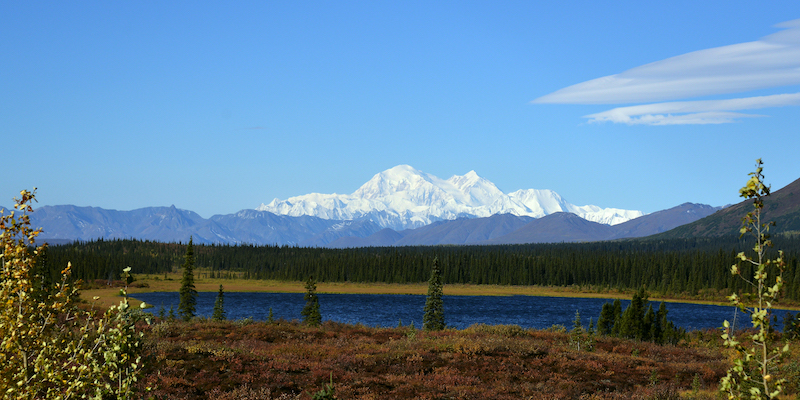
<point x="773" y="61"/>
<point x="693" y="112"/>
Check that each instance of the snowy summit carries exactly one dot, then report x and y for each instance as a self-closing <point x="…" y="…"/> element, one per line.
<point x="403" y="197"/>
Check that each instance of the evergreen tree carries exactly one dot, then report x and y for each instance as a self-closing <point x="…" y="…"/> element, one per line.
<point x="661" y="324"/>
<point x="617" y="314"/>
<point x="310" y="313"/>
<point x="605" y="323"/>
<point x="633" y="318"/>
<point x="649" y="325"/>
<point x="669" y="334"/>
<point x="270" y="317"/>
<point x="634" y="323"/>
<point x="433" y="319"/>
<point x="791" y="326"/>
<point x="577" y="326"/>
<point x="188" y="302"/>
<point x="576" y="334"/>
<point x="219" y="306"/>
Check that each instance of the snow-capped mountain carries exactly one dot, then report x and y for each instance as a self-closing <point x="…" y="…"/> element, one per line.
<point x="403" y="198"/>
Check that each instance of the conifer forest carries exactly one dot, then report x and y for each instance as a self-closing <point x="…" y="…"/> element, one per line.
<point x="667" y="267"/>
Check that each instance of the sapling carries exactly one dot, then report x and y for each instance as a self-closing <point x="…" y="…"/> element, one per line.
<point x="753" y="373"/>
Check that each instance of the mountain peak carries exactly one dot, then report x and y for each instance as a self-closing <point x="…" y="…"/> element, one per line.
<point x="401" y="178"/>
<point x="403" y="197"/>
<point x="471" y="175"/>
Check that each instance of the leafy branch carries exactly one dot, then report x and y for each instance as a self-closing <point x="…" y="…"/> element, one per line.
<point x="752" y="373"/>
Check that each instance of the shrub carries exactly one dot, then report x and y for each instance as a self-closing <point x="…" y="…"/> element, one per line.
<point x="752" y="372"/>
<point x="51" y="348"/>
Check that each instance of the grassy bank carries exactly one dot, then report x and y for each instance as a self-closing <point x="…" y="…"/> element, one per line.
<point x="172" y="282"/>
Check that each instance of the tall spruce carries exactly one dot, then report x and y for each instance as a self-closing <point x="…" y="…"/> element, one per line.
<point x="188" y="302"/>
<point x="219" y="306"/>
<point x="311" y="314"/>
<point x="433" y="320"/>
<point x="616" y="313"/>
<point x="632" y="320"/>
<point x="650" y="325"/>
<point x="605" y="323"/>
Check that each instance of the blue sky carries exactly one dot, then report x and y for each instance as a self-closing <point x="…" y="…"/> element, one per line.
<point x="217" y="107"/>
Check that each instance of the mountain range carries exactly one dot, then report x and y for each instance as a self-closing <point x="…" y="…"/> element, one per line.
<point x="403" y="197"/>
<point x="461" y="210"/>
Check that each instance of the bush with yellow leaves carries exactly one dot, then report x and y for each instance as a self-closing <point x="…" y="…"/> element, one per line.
<point x="51" y="349"/>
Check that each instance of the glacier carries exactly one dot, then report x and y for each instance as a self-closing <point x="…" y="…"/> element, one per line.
<point x="405" y="198"/>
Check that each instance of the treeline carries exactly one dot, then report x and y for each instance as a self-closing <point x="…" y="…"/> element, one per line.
<point x="675" y="266"/>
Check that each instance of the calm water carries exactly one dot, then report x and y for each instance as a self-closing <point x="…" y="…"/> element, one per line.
<point x="387" y="310"/>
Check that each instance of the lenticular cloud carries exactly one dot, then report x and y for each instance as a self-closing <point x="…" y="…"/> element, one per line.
<point x="693" y="112"/>
<point x="773" y="61"/>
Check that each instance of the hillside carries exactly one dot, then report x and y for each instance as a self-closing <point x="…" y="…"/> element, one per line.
<point x="782" y="206"/>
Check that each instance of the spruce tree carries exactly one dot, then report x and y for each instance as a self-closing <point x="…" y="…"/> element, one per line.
<point x="577" y="326"/>
<point x="433" y="320"/>
<point x="605" y="323"/>
<point x="188" y="302"/>
<point x="219" y="306"/>
<point x="649" y="325"/>
<point x="616" y="312"/>
<point x="310" y="313"/>
<point x="633" y="318"/>
<point x="660" y="324"/>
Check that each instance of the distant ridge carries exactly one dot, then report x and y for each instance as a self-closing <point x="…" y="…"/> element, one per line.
<point x="464" y="231"/>
<point x="170" y="224"/>
<point x="664" y="220"/>
<point x="557" y="227"/>
<point x="781" y="206"/>
<point x="554" y="228"/>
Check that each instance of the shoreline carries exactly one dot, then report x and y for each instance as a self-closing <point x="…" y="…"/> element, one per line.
<point x="172" y="282"/>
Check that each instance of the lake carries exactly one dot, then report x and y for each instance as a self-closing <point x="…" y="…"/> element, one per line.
<point x="387" y="310"/>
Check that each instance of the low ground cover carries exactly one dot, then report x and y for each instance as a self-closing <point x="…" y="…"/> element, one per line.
<point x="243" y="359"/>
